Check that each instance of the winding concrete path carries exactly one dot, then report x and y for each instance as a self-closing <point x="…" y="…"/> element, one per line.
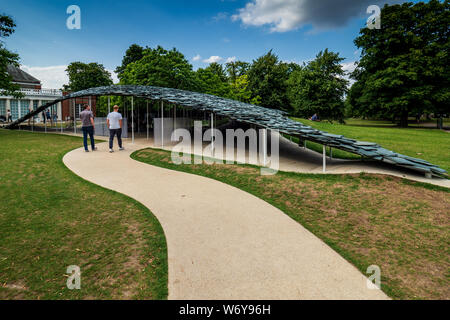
<point x="224" y="243"/>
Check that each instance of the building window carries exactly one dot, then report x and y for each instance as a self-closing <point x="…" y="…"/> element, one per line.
<point x="35" y="106"/>
<point x="2" y="107"/>
<point x="78" y="109"/>
<point x="24" y="107"/>
<point x="14" y="109"/>
<point x="19" y="108"/>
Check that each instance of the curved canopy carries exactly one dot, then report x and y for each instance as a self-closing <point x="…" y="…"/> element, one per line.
<point x="251" y="114"/>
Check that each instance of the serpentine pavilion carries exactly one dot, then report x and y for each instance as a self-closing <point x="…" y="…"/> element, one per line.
<point x="144" y="106"/>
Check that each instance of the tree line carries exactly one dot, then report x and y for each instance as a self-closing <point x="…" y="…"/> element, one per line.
<point x="315" y="87"/>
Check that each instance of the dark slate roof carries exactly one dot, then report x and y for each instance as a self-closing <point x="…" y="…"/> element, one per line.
<point x="252" y="114"/>
<point x="19" y="75"/>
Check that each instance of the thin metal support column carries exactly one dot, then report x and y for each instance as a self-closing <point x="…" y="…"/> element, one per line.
<point x="147" y="123"/>
<point x="132" y="119"/>
<point x="265" y="147"/>
<point x="324" y="158"/>
<point x="212" y="134"/>
<point x="162" y="124"/>
<point x="74" y="118"/>
<point x="175" y="117"/>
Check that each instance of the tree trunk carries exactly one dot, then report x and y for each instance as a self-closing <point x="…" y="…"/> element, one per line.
<point x="440" y="123"/>
<point x="404" y="119"/>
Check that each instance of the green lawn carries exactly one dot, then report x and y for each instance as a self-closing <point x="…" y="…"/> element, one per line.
<point x="399" y="225"/>
<point x="50" y="219"/>
<point x="431" y="124"/>
<point x="428" y="144"/>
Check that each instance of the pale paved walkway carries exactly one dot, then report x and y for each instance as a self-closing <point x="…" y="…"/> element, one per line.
<point x="224" y="243"/>
<point x="297" y="159"/>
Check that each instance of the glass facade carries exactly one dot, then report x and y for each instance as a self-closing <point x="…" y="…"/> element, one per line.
<point x="14" y="109"/>
<point x="19" y="108"/>
<point x="24" y="107"/>
<point x="35" y="106"/>
<point x="2" y="107"/>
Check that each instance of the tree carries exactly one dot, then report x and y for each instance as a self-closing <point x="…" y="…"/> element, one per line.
<point x="268" y="79"/>
<point x="319" y="87"/>
<point x="241" y="92"/>
<point x="212" y="80"/>
<point x="134" y="53"/>
<point x="404" y="65"/>
<point x="87" y="75"/>
<point x="7" y="87"/>
<point x="218" y="70"/>
<point x="236" y="69"/>
<point x="162" y="68"/>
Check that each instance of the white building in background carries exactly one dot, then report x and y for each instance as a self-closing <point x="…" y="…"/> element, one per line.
<point x="34" y="96"/>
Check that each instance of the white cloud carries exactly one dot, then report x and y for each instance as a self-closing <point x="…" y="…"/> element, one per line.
<point x="213" y="59"/>
<point x="282" y="15"/>
<point x="219" y="59"/>
<point x="286" y="15"/>
<point x="196" y="58"/>
<point x="349" y="67"/>
<point x="299" y="62"/>
<point x="220" y="16"/>
<point x="54" y="77"/>
<point x="114" y="77"/>
<point x="231" y="59"/>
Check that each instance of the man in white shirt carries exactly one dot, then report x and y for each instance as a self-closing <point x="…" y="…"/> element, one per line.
<point x="114" y="122"/>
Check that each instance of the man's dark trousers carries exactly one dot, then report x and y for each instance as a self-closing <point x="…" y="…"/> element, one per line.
<point x="112" y="133"/>
<point x="88" y="131"/>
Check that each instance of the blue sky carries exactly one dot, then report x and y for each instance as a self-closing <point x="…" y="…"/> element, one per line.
<point x="242" y="29"/>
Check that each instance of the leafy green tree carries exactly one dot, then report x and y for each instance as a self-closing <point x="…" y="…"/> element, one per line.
<point x="7" y="87"/>
<point x="236" y="69"/>
<point x="268" y="79"/>
<point x="319" y="87"/>
<point x="241" y="92"/>
<point x="218" y="70"/>
<point x="404" y="68"/>
<point x="162" y="68"/>
<point x="213" y="81"/>
<point x="101" y="107"/>
<point x="134" y="53"/>
<point x="87" y="75"/>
